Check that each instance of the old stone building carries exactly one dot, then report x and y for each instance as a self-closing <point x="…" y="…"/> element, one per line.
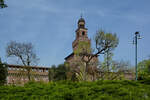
<point x="18" y="74"/>
<point x="73" y="58"/>
<point x="79" y="59"/>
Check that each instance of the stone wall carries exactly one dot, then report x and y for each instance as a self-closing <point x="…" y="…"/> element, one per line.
<point x="18" y="74"/>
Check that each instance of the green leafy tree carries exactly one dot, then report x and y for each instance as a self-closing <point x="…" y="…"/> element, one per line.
<point x="58" y="73"/>
<point x="61" y="72"/>
<point x="2" y="4"/>
<point x="108" y="60"/>
<point x="144" y="69"/>
<point x="105" y="42"/>
<point x="3" y="73"/>
<point x="52" y="73"/>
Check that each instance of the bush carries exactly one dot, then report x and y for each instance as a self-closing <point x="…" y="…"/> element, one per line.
<point x="3" y="73"/>
<point x="68" y="90"/>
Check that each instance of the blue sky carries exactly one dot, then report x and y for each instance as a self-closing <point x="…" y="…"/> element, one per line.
<point x="50" y="26"/>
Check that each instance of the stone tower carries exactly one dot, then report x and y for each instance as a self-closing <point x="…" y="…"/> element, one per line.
<point x="81" y="35"/>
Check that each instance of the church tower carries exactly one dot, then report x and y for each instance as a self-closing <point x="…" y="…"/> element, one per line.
<point x="81" y="36"/>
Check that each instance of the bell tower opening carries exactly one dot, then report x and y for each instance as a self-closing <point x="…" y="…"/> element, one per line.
<point x="83" y="33"/>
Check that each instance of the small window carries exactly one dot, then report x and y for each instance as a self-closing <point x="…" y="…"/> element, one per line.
<point x="78" y="34"/>
<point x="83" y="33"/>
<point x="81" y="26"/>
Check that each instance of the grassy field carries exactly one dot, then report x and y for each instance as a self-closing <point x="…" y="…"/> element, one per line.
<point x="67" y="90"/>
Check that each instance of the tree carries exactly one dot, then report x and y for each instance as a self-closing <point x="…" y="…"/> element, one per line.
<point x="52" y="73"/>
<point x="81" y="66"/>
<point x="58" y="73"/>
<point x="61" y="72"/>
<point x="104" y="42"/>
<point x="2" y="4"/>
<point x="108" y="60"/>
<point x="144" y="69"/>
<point x="24" y="52"/>
<point x="117" y="70"/>
<point x="3" y="73"/>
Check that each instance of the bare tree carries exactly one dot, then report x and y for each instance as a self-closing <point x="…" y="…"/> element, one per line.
<point x="117" y="70"/>
<point x="24" y="52"/>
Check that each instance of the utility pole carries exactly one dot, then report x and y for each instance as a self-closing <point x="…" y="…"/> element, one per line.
<point x="137" y="36"/>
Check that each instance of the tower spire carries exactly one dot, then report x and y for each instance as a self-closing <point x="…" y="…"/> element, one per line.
<point x="81" y="22"/>
<point x="81" y="15"/>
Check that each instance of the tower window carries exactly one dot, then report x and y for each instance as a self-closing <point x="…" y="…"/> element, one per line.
<point x="83" y="33"/>
<point x="81" y="26"/>
<point x="77" y="34"/>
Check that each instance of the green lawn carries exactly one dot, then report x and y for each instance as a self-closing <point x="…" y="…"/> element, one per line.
<point x="67" y="90"/>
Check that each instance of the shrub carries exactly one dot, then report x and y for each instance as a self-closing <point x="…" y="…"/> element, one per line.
<point x="68" y="90"/>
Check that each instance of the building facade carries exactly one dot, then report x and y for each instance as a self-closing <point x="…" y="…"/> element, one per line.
<point x="19" y="75"/>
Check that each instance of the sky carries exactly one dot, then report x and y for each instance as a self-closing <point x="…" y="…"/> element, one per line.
<point x="50" y="26"/>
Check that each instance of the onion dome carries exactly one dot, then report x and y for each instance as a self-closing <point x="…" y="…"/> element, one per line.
<point x="81" y="20"/>
<point x="81" y="23"/>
